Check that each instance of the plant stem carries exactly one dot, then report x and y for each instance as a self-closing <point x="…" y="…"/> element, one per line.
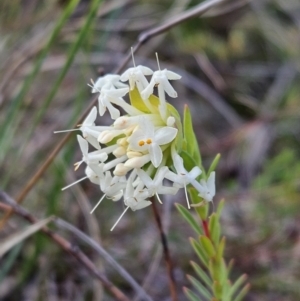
<point x="167" y="257"/>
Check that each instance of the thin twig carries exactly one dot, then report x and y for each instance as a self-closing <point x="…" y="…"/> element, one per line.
<point x="138" y="289"/>
<point x="143" y="38"/>
<point x="64" y="244"/>
<point x="167" y="257"/>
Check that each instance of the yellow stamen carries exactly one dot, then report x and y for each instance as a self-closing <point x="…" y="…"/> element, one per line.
<point x="141" y="143"/>
<point x="149" y="141"/>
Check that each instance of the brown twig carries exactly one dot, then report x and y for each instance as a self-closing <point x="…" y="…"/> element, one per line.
<point x="167" y="257"/>
<point x="143" y="38"/>
<point x="63" y="243"/>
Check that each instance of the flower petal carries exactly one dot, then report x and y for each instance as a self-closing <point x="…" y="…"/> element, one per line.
<point x="155" y="153"/>
<point x="171" y="75"/>
<point x="84" y="146"/>
<point x="211" y="183"/>
<point x="165" y="135"/>
<point x="91" y="117"/>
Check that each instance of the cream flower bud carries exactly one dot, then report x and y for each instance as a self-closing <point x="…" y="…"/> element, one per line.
<point x="120" y="151"/>
<point x="138" y="162"/>
<point x="121" y="170"/>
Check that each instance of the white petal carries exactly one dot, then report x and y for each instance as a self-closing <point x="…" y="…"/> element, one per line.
<point x="84" y="146"/>
<point x="155" y="154"/>
<point x="145" y="178"/>
<point x="148" y="90"/>
<point x="167" y="190"/>
<point x="168" y="88"/>
<point x="165" y="135"/>
<point x="160" y="175"/>
<point x="91" y="117"/>
<point x="178" y="164"/>
<point x="211" y="183"/>
<point x="114" y="113"/>
<point x="171" y="75"/>
<point x="195" y="172"/>
<point x="145" y="70"/>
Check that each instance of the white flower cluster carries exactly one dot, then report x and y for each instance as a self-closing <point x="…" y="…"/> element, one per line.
<point x="130" y="158"/>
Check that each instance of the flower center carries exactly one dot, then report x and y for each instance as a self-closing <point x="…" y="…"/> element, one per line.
<point x="142" y="142"/>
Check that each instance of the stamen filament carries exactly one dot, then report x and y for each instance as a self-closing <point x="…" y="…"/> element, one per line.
<point x="158" y="198"/>
<point x="66" y="187"/>
<point x="65" y="131"/>
<point x="132" y="57"/>
<point x="119" y="219"/>
<point x="98" y="203"/>
<point x="186" y="197"/>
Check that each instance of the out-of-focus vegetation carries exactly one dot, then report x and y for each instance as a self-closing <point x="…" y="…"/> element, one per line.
<point x="241" y="81"/>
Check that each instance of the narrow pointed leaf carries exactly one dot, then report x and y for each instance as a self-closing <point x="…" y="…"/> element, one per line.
<point x="238" y="283"/>
<point x="190" y="295"/>
<point x="200" y="287"/>
<point x="201" y="274"/>
<point x="242" y="293"/>
<point x="217" y="289"/>
<point x="189" y="218"/>
<point x="214" y="164"/>
<point x="199" y="251"/>
<point x="214" y="227"/>
<point x="208" y="246"/>
<point x="192" y="147"/>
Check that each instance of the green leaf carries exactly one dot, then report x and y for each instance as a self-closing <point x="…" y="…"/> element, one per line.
<point x="214" y="229"/>
<point x="189" y="218"/>
<point x="201" y="274"/>
<point x="202" y="210"/>
<point x="137" y="101"/>
<point x="214" y="164"/>
<point x="190" y="295"/>
<point x="221" y="247"/>
<point x="199" y="251"/>
<point x="242" y="293"/>
<point x="215" y="269"/>
<point x="217" y="289"/>
<point x="192" y="147"/>
<point x="200" y="287"/>
<point x="208" y="246"/>
<point x="220" y="208"/>
<point x="238" y="283"/>
<point x="188" y="160"/>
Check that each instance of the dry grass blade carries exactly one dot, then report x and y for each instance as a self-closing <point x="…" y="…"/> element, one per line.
<point x="139" y="290"/>
<point x="16" y="238"/>
<point x="68" y="247"/>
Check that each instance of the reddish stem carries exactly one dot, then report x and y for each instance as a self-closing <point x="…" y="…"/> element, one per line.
<point x="205" y="228"/>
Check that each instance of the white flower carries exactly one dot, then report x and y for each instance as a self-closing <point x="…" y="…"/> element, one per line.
<point x="135" y="198"/>
<point x="127" y="153"/>
<point x="207" y="189"/>
<point x="146" y="138"/>
<point x="161" y="80"/>
<point x="155" y="185"/>
<point x="109" y="96"/>
<point x="107" y="81"/>
<point x="89" y="158"/>
<point x="136" y="76"/>
<point x="183" y="177"/>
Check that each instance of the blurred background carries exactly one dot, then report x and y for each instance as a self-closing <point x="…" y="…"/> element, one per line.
<point x="240" y="67"/>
